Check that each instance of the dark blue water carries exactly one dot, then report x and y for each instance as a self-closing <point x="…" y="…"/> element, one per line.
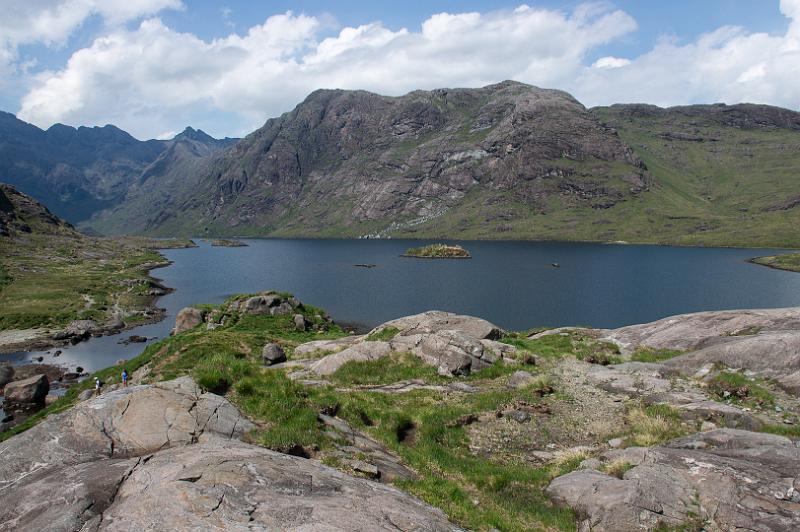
<point x="509" y="283"/>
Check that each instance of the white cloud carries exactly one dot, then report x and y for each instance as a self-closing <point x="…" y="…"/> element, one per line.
<point x="144" y="79"/>
<point x="51" y="22"/>
<point x="611" y="62"/>
<point x="153" y="79"/>
<point x="727" y="65"/>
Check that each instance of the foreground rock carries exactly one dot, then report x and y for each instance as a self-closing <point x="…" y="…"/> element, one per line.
<point x="701" y="329"/>
<point x="188" y="318"/>
<point x="766" y="354"/>
<point x="166" y="457"/>
<point x="728" y="479"/>
<point x="454" y="344"/>
<point x="32" y="390"/>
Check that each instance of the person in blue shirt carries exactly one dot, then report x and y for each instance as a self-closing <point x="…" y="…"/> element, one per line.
<point x="124" y="378"/>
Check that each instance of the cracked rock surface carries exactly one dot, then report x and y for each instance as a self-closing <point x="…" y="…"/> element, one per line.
<point x="169" y="457"/>
<point x="728" y="479"/>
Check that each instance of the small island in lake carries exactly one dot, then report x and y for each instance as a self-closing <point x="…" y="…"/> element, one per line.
<point x="437" y="251"/>
<point x="226" y="243"/>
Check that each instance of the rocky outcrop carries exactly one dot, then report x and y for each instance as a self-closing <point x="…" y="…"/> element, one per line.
<point x="123" y="423"/>
<point x="188" y="318"/>
<point x="362" y="352"/>
<point x="728" y="479"/>
<point x="767" y="354"/>
<point x="167" y="457"/>
<point x="6" y="374"/>
<point x="272" y="353"/>
<point x="701" y="329"/>
<point x="271" y="303"/>
<point x="32" y="390"/>
<point x="454" y="344"/>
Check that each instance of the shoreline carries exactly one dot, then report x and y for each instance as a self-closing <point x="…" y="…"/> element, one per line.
<point x="46" y="341"/>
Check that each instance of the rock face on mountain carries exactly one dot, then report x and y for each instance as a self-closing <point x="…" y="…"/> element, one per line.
<point x="78" y="171"/>
<point x="343" y="162"/>
<point x="109" y="462"/>
<point x="21" y="214"/>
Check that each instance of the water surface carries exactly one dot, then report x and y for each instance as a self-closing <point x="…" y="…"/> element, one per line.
<point x="512" y="284"/>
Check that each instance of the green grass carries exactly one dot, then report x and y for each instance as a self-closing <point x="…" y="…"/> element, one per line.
<point x="569" y="343"/>
<point x="738" y="388"/>
<point x="649" y="354"/>
<point x="398" y="367"/>
<point x="50" y="280"/>
<point x="789" y="261"/>
<point x="652" y="425"/>
<point x="383" y="335"/>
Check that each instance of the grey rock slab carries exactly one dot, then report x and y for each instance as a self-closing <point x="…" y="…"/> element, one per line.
<point x="362" y="352"/>
<point x="235" y="486"/>
<point x="333" y="346"/>
<point x="633" y="384"/>
<point x="767" y="354"/>
<point x="123" y="423"/>
<point x="436" y="320"/>
<point x="697" y="330"/>
<point x="520" y="379"/>
<point x="733" y="479"/>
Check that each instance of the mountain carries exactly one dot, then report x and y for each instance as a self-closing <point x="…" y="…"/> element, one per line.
<point x="79" y="171"/>
<point x="20" y="215"/>
<point x="487" y="161"/>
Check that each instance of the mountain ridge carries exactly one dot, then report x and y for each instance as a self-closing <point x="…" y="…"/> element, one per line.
<point x="78" y="171"/>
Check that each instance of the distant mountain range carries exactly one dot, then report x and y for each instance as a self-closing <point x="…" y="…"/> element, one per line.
<point x="79" y="171"/>
<point x="504" y="161"/>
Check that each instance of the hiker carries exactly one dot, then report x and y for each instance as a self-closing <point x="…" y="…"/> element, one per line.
<point x="124" y="378"/>
<point x="97" y="385"/>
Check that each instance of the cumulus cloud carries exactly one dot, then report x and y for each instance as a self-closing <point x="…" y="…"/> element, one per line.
<point x="153" y="79"/>
<point x="51" y="22"/>
<point x="147" y="78"/>
<point x="728" y="65"/>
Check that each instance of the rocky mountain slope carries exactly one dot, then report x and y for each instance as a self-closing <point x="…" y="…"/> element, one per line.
<point x="349" y="163"/>
<point x="504" y="161"/>
<point x="78" y="171"/>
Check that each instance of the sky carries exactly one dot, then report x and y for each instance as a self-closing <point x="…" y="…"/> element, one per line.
<point x="153" y="67"/>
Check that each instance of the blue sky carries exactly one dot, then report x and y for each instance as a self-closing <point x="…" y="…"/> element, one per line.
<point x="154" y="66"/>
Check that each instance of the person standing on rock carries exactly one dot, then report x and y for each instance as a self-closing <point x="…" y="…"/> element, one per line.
<point x="97" y="385"/>
<point x="124" y="378"/>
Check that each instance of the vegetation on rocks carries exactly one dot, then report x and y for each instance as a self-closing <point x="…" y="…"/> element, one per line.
<point x="788" y="261"/>
<point x="438" y="251"/>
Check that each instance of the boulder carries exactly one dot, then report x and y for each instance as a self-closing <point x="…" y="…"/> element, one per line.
<point x="272" y="354"/>
<point x="32" y="390"/>
<point x="436" y="320"/>
<point x="122" y="423"/>
<point x="300" y="323"/>
<point x="188" y="318"/>
<point x="697" y="330"/>
<point x="729" y="479"/>
<point x="6" y="374"/>
<point x="363" y="352"/>
<point x="451" y="352"/>
<point x="269" y="303"/>
<point x="520" y="379"/>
